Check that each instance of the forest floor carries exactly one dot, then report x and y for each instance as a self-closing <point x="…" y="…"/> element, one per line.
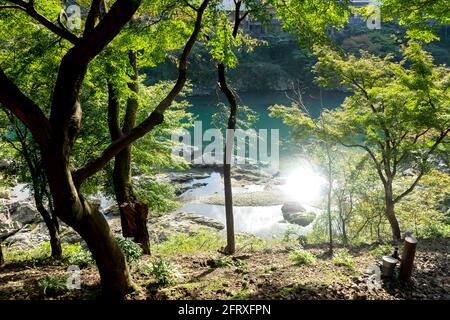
<point x="253" y="273"/>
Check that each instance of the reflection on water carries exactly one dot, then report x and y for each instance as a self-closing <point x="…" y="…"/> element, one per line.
<point x="266" y="222"/>
<point x="210" y="185"/>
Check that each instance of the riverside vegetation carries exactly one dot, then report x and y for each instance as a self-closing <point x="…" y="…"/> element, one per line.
<point x="88" y="178"/>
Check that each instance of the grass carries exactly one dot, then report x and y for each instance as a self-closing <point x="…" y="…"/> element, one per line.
<point x="187" y="244"/>
<point x="342" y="257"/>
<point x="301" y="256"/>
<point x="250" y="199"/>
<point x="52" y="285"/>
<point x="73" y="254"/>
<point x="382" y="250"/>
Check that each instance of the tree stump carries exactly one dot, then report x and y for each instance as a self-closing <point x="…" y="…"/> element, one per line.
<point x="134" y="223"/>
<point x="408" y="254"/>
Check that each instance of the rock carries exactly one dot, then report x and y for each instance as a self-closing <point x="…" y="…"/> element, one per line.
<point x="5" y="194"/>
<point x="294" y="212"/>
<point x="201" y="220"/>
<point x="165" y="227"/>
<point x="292" y="207"/>
<point x="25" y="213"/>
<point x="112" y="210"/>
<point x="7" y="226"/>
<point x="301" y="218"/>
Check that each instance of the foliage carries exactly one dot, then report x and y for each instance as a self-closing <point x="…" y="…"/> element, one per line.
<point x="419" y="16"/>
<point x="221" y="262"/>
<point x="131" y="249"/>
<point x="76" y="255"/>
<point x="183" y="243"/>
<point x="164" y="272"/>
<point x="382" y="250"/>
<point x="342" y="257"/>
<point x="302" y="257"/>
<point x="52" y="285"/>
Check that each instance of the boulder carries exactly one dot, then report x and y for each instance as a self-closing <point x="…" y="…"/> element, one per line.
<point x="167" y="226"/>
<point x="112" y="210"/>
<point x="24" y="213"/>
<point x="294" y="212"/>
<point x="7" y="226"/>
<point x="200" y="220"/>
<point x="292" y="207"/>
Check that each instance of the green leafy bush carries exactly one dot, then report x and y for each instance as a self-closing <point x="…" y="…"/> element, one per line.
<point x="75" y="254"/>
<point x="302" y="257"/>
<point x="343" y="258"/>
<point x="164" y="272"/>
<point x="130" y="249"/>
<point x="221" y="262"/>
<point x="52" y="285"/>
<point x="382" y="250"/>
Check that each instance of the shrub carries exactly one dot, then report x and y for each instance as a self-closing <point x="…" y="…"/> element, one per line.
<point x="75" y="254"/>
<point x="52" y="285"/>
<point x="130" y="249"/>
<point x="164" y="272"/>
<point x="343" y="258"/>
<point x="302" y="257"/>
<point x="382" y="250"/>
<point x="221" y="262"/>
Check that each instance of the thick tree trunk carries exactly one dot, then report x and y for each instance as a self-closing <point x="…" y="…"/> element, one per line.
<point x="390" y="212"/>
<point x="94" y="229"/>
<point x="89" y="223"/>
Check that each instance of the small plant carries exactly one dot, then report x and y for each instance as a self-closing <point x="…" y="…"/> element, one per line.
<point x="52" y="285"/>
<point x="130" y="249"/>
<point x="302" y="257"/>
<point x="164" y="273"/>
<point x="343" y="258"/>
<point x="75" y="254"/>
<point x="221" y="262"/>
<point x="382" y="250"/>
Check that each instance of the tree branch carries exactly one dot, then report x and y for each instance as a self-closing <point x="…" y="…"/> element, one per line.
<point x="25" y="109"/>
<point x="422" y="171"/>
<point x="155" y="118"/>
<point x="29" y="8"/>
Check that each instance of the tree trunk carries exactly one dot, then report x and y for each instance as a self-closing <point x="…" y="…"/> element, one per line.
<point x="55" y="241"/>
<point x="2" y="260"/>
<point x="227" y="158"/>
<point x="134" y="217"/>
<point x="90" y="224"/>
<point x="111" y="263"/>
<point x="330" y="190"/>
<point x="390" y="212"/>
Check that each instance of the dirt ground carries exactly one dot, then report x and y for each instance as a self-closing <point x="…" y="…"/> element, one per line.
<point x="262" y="274"/>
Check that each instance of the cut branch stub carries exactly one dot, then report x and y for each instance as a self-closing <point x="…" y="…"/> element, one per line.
<point x="408" y="254"/>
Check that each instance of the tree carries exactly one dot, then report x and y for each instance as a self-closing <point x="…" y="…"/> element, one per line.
<point x="226" y="38"/>
<point x="57" y="133"/>
<point x="397" y="113"/>
<point x="23" y="144"/>
<point x="320" y="145"/>
<point x="418" y="15"/>
<point x="134" y="212"/>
